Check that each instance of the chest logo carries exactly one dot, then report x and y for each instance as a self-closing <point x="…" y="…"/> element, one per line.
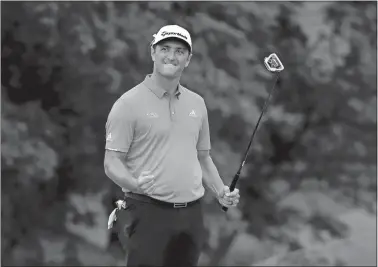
<point x="109" y="137"/>
<point x="193" y="114"/>
<point x="152" y="115"/>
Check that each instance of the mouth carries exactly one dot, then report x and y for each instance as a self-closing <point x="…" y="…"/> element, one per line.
<point x="169" y="65"/>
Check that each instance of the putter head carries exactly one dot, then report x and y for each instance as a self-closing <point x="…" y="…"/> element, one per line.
<point x="273" y="63"/>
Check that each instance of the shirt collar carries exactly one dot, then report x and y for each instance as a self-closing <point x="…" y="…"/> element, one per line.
<point x="158" y="91"/>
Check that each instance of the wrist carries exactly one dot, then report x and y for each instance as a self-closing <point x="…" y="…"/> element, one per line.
<point x="218" y="190"/>
<point x="134" y="186"/>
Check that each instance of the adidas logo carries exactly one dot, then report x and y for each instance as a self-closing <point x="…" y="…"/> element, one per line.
<point x="192" y="114"/>
<point x="109" y="137"/>
<point x="152" y="115"/>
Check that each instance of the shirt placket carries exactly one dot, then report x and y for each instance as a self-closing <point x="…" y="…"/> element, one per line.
<point x="172" y="110"/>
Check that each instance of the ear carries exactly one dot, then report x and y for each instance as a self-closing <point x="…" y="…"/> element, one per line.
<point x="188" y="60"/>
<point x="153" y="52"/>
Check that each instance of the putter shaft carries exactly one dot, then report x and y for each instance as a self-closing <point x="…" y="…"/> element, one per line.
<point x="237" y="175"/>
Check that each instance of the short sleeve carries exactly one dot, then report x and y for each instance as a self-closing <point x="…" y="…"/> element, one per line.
<point x="119" y="127"/>
<point x="203" y="142"/>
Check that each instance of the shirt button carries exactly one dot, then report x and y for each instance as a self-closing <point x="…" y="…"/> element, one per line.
<point x="173" y="113"/>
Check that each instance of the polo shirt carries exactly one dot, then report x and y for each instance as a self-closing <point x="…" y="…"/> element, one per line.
<point x="161" y="133"/>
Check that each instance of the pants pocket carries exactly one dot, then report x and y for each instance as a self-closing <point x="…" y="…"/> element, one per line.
<point x="126" y="224"/>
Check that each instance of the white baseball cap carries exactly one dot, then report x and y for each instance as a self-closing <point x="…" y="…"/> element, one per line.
<point x="173" y="31"/>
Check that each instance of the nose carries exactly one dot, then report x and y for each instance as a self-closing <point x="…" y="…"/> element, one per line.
<point x="171" y="55"/>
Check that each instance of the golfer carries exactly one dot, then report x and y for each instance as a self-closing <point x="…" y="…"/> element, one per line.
<point x="157" y="151"/>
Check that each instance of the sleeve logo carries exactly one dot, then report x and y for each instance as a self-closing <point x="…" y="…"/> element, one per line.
<point x="193" y="114"/>
<point x="152" y="115"/>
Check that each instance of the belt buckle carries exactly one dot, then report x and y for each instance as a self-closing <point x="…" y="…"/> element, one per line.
<point x="180" y="205"/>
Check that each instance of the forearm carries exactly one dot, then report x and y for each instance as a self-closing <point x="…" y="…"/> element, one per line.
<point x="211" y="175"/>
<point x="120" y="175"/>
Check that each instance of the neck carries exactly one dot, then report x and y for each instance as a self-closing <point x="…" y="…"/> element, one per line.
<point x="170" y="85"/>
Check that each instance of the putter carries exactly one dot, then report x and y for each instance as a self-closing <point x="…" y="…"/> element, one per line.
<point x="273" y="64"/>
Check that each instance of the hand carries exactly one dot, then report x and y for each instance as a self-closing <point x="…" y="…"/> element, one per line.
<point x="227" y="198"/>
<point x="145" y="182"/>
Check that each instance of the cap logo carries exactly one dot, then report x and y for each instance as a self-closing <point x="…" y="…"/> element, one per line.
<point x="173" y="33"/>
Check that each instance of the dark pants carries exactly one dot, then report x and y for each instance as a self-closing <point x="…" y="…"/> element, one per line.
<point x="155" y="235"/>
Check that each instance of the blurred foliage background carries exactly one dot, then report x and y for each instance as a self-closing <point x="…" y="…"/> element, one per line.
<point x="311" y="175"/>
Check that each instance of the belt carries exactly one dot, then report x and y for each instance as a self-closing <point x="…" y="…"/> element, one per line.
<point x="151" y="200"/>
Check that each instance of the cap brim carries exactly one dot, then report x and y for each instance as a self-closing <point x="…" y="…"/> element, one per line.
<point x="156" y="41"/>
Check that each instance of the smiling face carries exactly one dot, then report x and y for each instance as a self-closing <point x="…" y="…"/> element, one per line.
<point x="171" y="57"/>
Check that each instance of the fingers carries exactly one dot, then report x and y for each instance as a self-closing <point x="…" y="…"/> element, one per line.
<point x="146" y="181"/>
<point x="145" y="176"/>
<point x="230" y="199"/>
<point x="233" y="202"/>
<point x="227" y="192"/>
<point x="227" y="203"/>
<point x="149" y="189"/>
<point x="233" y="193"/>
<point x="226" y="189"/>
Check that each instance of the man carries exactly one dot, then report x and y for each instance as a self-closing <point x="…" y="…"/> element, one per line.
<point x="157" y="151"/>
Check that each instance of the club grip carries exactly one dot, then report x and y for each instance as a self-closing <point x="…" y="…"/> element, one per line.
<point x="232" y="187"/>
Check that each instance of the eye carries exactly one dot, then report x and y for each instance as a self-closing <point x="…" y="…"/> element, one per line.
<point x="164" y="49"/>
<point x="180" y="52"/>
